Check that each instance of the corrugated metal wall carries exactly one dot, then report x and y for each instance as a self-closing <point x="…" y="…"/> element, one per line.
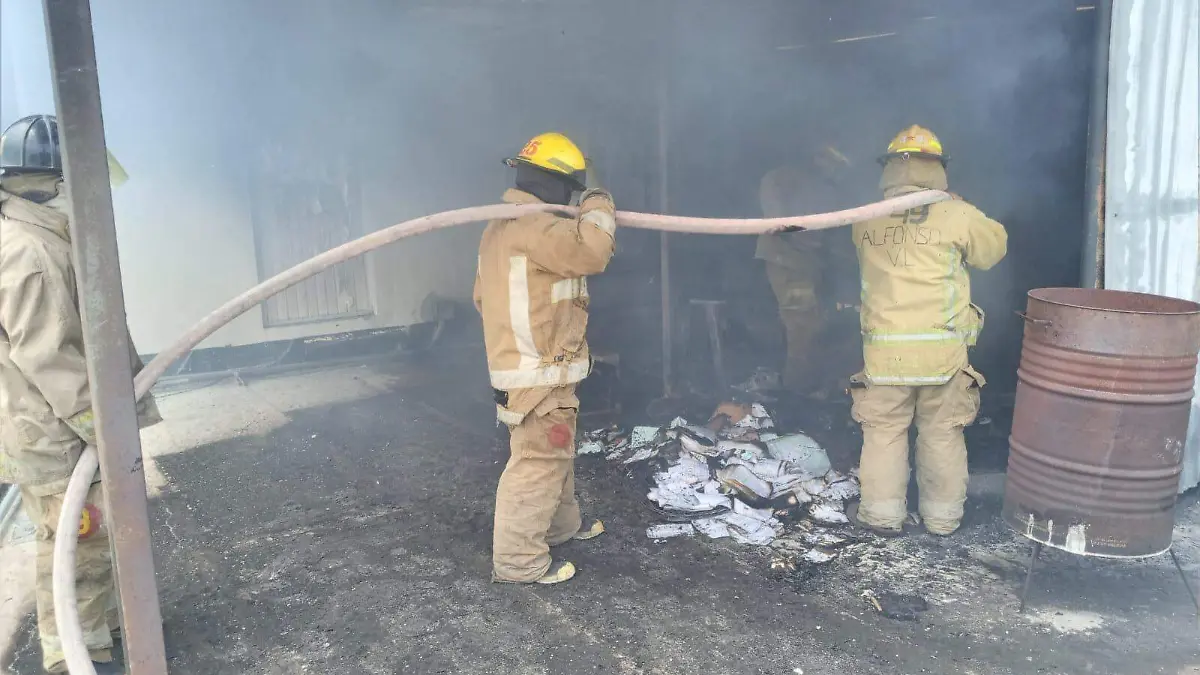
<point x="1152" y="219"/>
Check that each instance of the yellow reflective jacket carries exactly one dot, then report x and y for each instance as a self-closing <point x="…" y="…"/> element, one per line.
<point x="531" y="291"/>
<point x="45" y="402"/>
<point x="917" y="316"/>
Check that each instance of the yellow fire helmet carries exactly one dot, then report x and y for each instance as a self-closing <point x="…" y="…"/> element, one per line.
<point x="555" y="153"/>
<point x="832" y="164"/>
<point x="915" y="141"/>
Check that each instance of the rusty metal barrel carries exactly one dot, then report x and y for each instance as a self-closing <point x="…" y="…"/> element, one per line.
<point x="1104" y="393"/>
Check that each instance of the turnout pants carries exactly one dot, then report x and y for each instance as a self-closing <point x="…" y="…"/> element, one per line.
<point x="535" y="501"/>
<point x="795" y="290"/>
<point x="940" y="413"/>
<point x="95" y="586"/>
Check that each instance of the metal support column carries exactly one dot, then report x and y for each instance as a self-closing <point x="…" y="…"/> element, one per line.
<point x="102" y="306"/>
<point x="668" y="342"/>
<point x="1092" y="265"/>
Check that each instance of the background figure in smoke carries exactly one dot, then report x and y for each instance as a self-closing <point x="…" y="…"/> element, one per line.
<point x="800" y="265"/>
<point x="917" y="324"/>
<point x="531" y="290"/>
<point x="46" y="404"/>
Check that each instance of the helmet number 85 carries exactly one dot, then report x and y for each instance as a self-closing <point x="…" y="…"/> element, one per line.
<point x="530" y="148"/>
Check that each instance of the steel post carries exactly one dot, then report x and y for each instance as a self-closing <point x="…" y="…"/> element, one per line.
<point x="1092" y="264"/>
<point x="102" y="306"/>
<point x="664" y="242"/>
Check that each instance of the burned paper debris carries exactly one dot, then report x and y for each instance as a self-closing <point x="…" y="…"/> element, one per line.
<point x="669" y="530"/>
<point x="739" y="477"/>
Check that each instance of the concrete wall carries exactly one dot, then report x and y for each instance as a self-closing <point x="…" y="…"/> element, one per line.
<point x="178" y="111"/>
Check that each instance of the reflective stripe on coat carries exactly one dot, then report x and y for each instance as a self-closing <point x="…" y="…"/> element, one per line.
<point x="917" y="316"/>
<point x="531" y="292"/>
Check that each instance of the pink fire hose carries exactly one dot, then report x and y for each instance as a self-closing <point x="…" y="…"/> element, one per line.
<point x="66" y="538"/>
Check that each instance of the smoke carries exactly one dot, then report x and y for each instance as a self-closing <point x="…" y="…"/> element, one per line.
<point x="1006" y="89"/>
<point x="218" y="108"/>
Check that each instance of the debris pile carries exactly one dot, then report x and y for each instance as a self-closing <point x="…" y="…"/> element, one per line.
<point x="737" y="476"/>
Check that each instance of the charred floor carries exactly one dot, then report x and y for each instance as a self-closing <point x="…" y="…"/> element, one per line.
<point x="338" y="520"/>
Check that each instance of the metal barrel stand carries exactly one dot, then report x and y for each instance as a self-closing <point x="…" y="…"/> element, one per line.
<point x="1105" y="383"/>
<point x="1037" y="552"/>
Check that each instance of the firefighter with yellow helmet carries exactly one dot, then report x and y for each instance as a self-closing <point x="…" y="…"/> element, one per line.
<point x="531" y="291"/>
<point x="918" y="323"/>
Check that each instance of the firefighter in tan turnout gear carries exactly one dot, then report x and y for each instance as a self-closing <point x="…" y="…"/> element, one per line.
<point x="531" y="290"/>
<point x="45" y="404"/>
<point x="918" y="323"/>
<point x="796" y="263"/>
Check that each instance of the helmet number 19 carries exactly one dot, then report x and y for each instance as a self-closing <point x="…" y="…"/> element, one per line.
<point x="916" y="216"/>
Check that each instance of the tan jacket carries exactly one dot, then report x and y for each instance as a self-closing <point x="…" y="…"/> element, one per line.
<point x="531" y="290"/>
<point x="788" y="191"/>
<point x="45" y="403"/>
<point x="917" y="316"/>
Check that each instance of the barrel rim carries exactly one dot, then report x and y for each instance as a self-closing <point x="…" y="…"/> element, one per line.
<point x="1039" y="294"/>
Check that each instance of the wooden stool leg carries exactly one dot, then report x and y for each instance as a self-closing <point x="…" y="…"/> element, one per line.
<point x="714" y="340"/>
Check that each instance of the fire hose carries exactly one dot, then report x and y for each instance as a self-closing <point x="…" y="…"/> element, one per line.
<point x="66" y="538"/>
